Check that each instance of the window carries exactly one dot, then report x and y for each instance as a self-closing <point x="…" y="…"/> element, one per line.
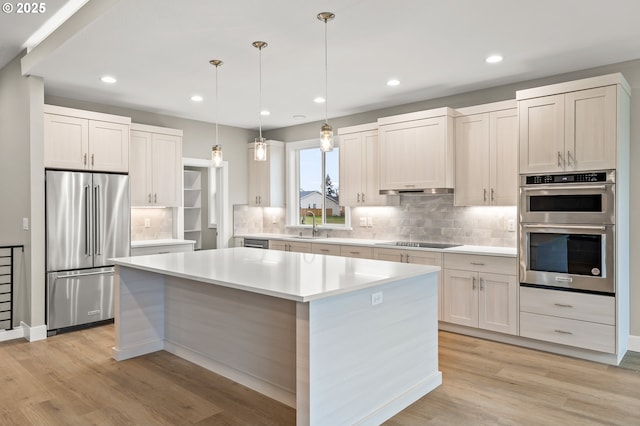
<point x="314" y="191"/>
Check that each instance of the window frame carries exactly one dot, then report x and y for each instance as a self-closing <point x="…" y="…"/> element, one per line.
<point x="293" y="187"/>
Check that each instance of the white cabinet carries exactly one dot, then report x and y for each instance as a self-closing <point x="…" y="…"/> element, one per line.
<point x="419" y="257"/>
<point x="487" y="155"/>
<point x="139" y="248"/>
<point x="156" y="166"/>
<point x="481" y="291"/>
<point x="266" y="178"/>
<point x="85" y="140"/>
<point x="586" y="321"/>
<point x="417" y="151"/>
<point x="359" y="180"/>
<point x="565" y="129"/>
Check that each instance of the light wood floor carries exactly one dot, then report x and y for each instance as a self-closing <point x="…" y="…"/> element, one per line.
<point x="71" y="379"/>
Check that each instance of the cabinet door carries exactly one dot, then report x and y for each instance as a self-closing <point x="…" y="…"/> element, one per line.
<point x="258" y="180"/>
<point x="472" y="160"/>
<point x="371" y="171"/>
<point x="590" y="131"/>
<point x="503" y="154"/>
<point x="389" y="254"/>
<point x="541" y="123"/>
<point x="300" y="247"/>
<point x="277" y="245"/>
<point x="166" y="166"/>
<point x="140" y="170"/>
<point x="358" y="252"/>
<point x="352" y="153"/>
<point x="412" y="154"/>
<point x="497" y="300"/>
<point x="108" y="146"/>
<point x="461" y="297"/>
<point x="66" y="142"/>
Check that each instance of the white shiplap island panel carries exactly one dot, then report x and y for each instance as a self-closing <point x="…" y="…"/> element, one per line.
<point x="301" y="328"/>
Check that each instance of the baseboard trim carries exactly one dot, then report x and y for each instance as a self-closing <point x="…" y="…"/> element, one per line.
<point x="33" y="334"/>
<point x="255" y="383"/>
<point x="120" y="354"/>
<point x="634" y="343"/>
<point x="15" y="333"/>
<point x="393" y="407"/>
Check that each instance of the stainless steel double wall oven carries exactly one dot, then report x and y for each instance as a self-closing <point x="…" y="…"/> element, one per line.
<point x="567" y="231"/>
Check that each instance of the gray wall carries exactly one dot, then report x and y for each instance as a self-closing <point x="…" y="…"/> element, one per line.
<point x="631" y="71"/>
<point x="21" y="100"/>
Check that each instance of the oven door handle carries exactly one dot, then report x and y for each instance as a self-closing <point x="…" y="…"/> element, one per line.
<point x="583" y="227"/>
<point x="563" y="187"/>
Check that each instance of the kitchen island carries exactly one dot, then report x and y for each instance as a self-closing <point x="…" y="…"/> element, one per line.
<point x="342" y="340"/>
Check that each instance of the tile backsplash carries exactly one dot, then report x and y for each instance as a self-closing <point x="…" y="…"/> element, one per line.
<point x="159" y="221"/>
<point x="431" y="218"/>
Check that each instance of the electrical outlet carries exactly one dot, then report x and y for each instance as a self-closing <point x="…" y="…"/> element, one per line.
<point x="25" y="223"/>
<point x="369" y="221"/>
<point x="376" y="298"/>
<point x="274" y="220"/>
<point x="363" y="221"/>
<point x="511" y="225"/>
<point x="147" y="223"/>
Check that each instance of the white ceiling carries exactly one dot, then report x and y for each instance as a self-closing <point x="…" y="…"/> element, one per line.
<point x="159" y="50"/>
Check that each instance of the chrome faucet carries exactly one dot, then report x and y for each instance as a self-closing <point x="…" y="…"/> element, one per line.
<point x="314" y="228"/>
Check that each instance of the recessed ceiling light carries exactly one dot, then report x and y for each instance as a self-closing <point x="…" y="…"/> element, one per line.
<point x="265" y="112"/>
<point x="393" y="82"/>
<point x="299" y="117"/>
<point x="494" y="59"/>
<point x="197" y="98"/>
<point x="108" y="79"/>
<point x="319" y="100"/>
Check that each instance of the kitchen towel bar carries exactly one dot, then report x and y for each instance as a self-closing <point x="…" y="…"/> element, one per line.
<point x="7" y="279"/>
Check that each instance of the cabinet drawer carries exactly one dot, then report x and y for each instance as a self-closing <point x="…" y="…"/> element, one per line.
<point x="355" y="251"/>
<point x="173" y="248"/>
<point x="566" y="304"/>
<point x="330" y="249"/>
<point x="481" y="263"/>
<point x="581" y="334"/>
<point x="424" y="257"/>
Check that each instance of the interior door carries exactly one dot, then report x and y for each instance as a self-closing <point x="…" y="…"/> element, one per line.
<point x="68" y="228"/>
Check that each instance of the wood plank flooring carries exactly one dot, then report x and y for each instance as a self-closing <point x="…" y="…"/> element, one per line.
<point x="71" y="379"/>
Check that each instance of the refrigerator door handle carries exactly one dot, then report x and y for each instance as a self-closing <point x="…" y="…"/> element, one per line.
<point x="97" y="219"/>
<point x="87" y="221"/>
<point x="86" y="274"/>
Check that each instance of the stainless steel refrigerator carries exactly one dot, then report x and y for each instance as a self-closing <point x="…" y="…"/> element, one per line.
<point x="87" y="223"/>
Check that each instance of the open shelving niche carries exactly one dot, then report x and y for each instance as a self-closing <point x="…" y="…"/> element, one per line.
<point x="193" y="207"/>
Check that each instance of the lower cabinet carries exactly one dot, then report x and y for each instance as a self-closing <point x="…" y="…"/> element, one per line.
<point x="329" y="249"/>
<point x="420" y="257"/>
<point x="160" y="249"/>
<point x="357" y="251"/>
<point x="481" y="291"/>
<point x="585" y="321"/>
<point x="300" y="247"/>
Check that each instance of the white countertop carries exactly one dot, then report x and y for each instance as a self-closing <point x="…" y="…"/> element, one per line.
<point x="463" y="249"/>
<point x="301" y="277"/>
<point x="165" y="242"/>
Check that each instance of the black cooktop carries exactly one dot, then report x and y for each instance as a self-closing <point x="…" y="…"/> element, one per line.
<point x="424" y="245"/>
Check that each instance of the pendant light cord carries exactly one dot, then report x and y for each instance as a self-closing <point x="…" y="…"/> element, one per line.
<point x="260" y="88"/>
<point x="326" y="76"/>
<point x="216" y="112"/>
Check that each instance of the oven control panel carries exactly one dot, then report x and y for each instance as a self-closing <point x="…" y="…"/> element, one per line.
<point x="566" y="178"/>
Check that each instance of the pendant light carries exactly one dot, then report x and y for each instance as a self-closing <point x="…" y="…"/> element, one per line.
<point x="216" y="150"/>
<point x="260" y="144"/>
<point x="326" y="131"/>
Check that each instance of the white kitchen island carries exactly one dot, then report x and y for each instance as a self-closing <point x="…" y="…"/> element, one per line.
<point x="342" y="340"/>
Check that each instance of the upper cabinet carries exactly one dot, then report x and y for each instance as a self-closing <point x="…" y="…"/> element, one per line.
<point x="359" y="180"/>
<point x="417" y="151"/>
<point x="85" y="140"/>
<point x="266" y="178"/>
<point x="487" y="155"/>
<point x="156" y="166"/>
<point x="571" y="126"/>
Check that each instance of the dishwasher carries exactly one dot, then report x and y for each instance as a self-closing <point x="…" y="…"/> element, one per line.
<point x="256" y="243"/>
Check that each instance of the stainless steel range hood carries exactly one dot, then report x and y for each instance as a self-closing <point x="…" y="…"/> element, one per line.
<point x="415" y="191"/>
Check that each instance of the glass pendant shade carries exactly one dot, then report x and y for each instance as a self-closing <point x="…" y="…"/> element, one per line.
<point x="216" y="155"/>
<point x="326" y="138"/>
<point x="260" y="149"/>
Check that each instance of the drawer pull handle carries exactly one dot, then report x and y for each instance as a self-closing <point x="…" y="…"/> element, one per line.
<point x="324" y="249"/>
<point x="563" y="305"/>
<point x="477" y="263"/>
<point x="563" y="332"/>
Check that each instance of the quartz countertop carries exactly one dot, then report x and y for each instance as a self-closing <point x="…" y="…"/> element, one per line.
<point x="462" y="249"/>
<point x="164" y="242"/>
<point x="301" y="277"/>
